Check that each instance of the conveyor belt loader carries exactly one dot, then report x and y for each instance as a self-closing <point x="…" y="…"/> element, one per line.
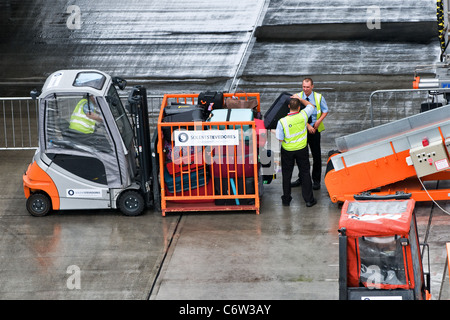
<point x="393" y="160"/>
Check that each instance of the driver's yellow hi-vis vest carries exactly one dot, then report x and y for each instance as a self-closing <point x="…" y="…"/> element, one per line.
<point x="79" y="121"/>
<point x="295" y="133"/>
<point x="318" y="99"/>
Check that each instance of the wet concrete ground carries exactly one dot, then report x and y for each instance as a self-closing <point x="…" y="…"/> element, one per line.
<point x="283" y="253"/>
<point x="118" y="257"/>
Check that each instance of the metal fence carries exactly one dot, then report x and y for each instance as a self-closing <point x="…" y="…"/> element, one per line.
<point x="19" y="116"/>
<point x="19" y="121"/>
<point x="390" y="105"/>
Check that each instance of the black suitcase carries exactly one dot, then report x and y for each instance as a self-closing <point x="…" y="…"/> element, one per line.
<point x="278" y="110"/>
<point x="195" y="115"/>
<point x="239" y="186"/>
<point x="210" y="100"/>
<point x="176" y="108"/>
<point x="176" y="186"/>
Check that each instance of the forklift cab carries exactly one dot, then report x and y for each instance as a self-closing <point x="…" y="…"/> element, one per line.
<point x="379" y="252"/>
<point x="86" y="157"/>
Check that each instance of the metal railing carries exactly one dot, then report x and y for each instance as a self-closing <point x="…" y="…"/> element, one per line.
<point x="389" y="105"/>
<point x="19" y="121"/>
<point x="19" y="116"/>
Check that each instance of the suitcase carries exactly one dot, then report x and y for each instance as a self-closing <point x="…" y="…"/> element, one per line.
<point x="170" y="184"/>
<point x="210" y="100"/>
<point x="195" y="115"/>
<point x="236" y="187"/>
<point x="268" y="171"/>
<point x="176" y="108"/>
<point x="184" y="163"/>
<point x="278" y="110"/>
<point x="261" y="132"/>
<point x="201" y="191"/>
<point x="230" y="165"/>
<point x="231" y="115"/>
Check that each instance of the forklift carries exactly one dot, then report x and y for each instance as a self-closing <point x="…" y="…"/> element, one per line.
<point x="93" y="153"/>
<point x="380" y="257"/>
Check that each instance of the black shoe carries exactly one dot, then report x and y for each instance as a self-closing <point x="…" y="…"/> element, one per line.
<point x="310" y="204"/>
<point x="316" y="185"/>
<point x="286" y="201"/>
<point x="296" y="183"/>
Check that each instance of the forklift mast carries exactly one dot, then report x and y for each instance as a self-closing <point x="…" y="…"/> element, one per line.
<point x="138" y="108"/>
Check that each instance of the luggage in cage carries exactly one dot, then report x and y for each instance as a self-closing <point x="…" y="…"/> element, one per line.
<point x="185" y="181"/>
<point x="195" y="115"/>
<point x="278" y="110"/>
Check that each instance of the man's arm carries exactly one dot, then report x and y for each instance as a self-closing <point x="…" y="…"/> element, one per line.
<point x="324" y="108"/>
<point x="90" y="112"/>
<point x="303" y="101"/>
<point x="318" y="121"/>
<point x="279" y="132"/>
<point x="309" y="111"/>
<point x="94" y="116"/>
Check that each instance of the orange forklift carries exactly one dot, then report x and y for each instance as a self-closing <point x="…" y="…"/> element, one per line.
<point x="90" y="154"/>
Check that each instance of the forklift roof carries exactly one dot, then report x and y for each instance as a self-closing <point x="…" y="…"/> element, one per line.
<point x="68" y="81"/>
<point x="377" y="217"/>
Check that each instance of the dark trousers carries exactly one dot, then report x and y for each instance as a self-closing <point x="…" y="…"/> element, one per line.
<point x="288" y="160"/>
<point x="316" y="152"/>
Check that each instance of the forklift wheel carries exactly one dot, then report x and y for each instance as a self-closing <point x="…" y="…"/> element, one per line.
<point x="131" y="203"/>
<point x="38" y="204"/>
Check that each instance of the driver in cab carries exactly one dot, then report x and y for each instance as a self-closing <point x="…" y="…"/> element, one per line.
<point x="84" y="117"/>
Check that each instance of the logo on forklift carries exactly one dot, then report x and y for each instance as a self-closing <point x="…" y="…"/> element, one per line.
<point x="84" y="193"/>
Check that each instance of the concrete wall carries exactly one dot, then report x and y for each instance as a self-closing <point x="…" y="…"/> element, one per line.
<point x="191" y="46"/>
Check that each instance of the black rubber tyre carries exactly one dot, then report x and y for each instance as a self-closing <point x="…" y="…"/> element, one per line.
<point x="131" y="203"/>
<point x="39" y="204"/>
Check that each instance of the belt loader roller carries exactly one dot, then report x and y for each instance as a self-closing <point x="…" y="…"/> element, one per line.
<point x="393" y="159"/>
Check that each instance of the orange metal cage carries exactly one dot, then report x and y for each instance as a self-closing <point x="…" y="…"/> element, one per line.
<point x="210" y="178"/>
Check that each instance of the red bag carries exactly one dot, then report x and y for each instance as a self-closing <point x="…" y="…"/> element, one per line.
<point x="261" y="132"/>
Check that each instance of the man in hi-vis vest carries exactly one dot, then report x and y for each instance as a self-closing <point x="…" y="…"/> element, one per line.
<point x="84" y="116"/>
<point x="315" y="126"/>
<point x="291" y="131"/>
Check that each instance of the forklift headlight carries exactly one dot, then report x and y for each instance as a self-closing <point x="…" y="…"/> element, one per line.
<point x="404" y="242"/>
